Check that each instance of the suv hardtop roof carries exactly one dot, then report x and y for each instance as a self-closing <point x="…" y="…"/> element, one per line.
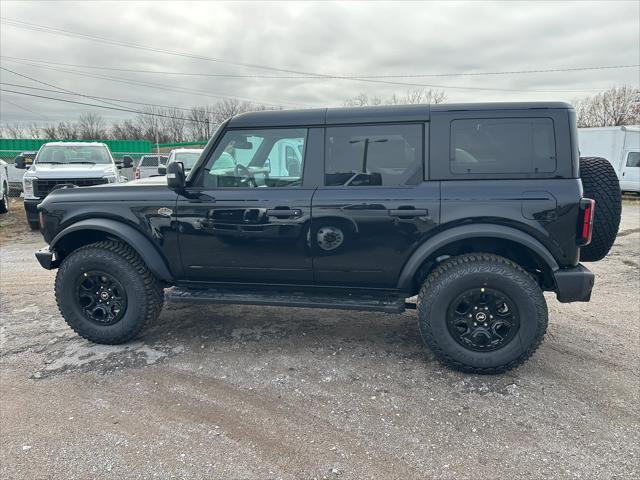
<point x="386" y="113"/>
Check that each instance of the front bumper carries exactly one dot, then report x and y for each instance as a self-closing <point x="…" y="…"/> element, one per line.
<point x="574" y="284"/>
<point x="31" y="207"/>
<point x="47" y="258"/>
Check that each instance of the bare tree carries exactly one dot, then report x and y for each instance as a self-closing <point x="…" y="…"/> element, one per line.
<point x="50" y="132"/>
<point x="202" y="123"/>
<point x="411" y="97"/>
<point x="91" y="126"/>
<point x="126" y="130"/>
<point x="68" y="131"/>
<point x="34" y="130"/>
<point x="15" y="130"/>
<point x="362" y="100"/>
<point x="613" y="107"/>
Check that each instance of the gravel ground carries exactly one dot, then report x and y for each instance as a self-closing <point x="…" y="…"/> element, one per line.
<point x="242" y="392"/>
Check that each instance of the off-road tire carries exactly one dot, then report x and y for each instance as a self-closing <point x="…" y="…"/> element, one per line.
<point x="14" y="192"/>
<point x="474" y="270"/>
<point x="123" y="263"/>
<point x="600" y="182"/>
<point x="4" y="200"/>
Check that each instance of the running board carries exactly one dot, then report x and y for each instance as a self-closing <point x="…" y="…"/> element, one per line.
<point x="373" y="303"/>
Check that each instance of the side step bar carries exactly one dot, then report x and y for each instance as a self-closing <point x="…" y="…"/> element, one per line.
<point x="374" y="303"/>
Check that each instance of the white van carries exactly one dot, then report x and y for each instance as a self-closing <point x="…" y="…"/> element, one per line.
<point x="620" y="146"/>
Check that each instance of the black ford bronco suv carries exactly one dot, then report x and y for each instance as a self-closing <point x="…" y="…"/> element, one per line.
<point x="476" y="209"/>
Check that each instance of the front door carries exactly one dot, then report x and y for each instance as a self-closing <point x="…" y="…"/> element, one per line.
<point x="375" y="207"/>
<point x="247" y="215"/>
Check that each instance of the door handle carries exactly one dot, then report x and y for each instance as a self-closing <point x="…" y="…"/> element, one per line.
<point x="408" y="212"/>
<point x="284" y="212"/>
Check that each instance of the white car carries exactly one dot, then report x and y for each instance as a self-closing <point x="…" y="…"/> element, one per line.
<point x="188" y="157"/>
<point x="148" y="166"/>
<point x="620" y="146"/>
<point x="4" y="187"/>
<point x="60" y="164"/>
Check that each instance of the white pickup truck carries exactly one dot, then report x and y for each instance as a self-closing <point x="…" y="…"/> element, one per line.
<point x="620" y="146"/>
<point x="4" y="187"/>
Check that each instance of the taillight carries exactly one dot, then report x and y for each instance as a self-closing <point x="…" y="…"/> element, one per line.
<point x="585" y="224"/>
<point x="137" y="174"/>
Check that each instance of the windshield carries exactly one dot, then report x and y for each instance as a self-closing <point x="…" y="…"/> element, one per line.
<point x="90" y="154"/>
<point x="188" y="159"/>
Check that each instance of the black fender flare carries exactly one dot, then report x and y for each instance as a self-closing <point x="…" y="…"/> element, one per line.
<point x="476" y="230"/>
<point x="141" y="244"/>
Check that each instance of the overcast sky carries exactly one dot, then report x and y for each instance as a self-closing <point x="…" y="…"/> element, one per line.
<point x="348" y="39"/>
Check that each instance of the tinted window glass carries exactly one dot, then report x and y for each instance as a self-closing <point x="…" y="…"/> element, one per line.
<point x="502" y="145"/>
<point x="149" y="162"/>
<point x="380" y="155"/>
<point x="633" y="159"/>
<point x="257" y="158"/>
<point x="74" y="154"/>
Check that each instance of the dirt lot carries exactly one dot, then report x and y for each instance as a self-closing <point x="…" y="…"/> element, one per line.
<point x="243" y="392"/>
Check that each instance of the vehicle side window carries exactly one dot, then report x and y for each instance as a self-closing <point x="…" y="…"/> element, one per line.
<point x="502" y="145"/>
<point x="376" y="155"/>
<point x="633" y="159"/>
<point x="257" y="158"/>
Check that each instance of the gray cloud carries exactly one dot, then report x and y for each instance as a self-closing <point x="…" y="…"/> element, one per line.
<point x="337" y="38"/>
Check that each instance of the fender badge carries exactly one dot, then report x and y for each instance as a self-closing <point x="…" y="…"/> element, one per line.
<point x="165" y="212"/>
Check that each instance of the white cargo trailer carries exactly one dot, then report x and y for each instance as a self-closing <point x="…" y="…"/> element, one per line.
<point x="620" y="146"/>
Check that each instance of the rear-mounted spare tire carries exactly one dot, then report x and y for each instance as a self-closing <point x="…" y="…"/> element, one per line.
<point x="600" y="183"/>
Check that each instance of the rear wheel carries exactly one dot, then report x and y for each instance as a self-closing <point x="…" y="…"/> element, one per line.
<point x="600" y="183"/>
<point x="106" y="293"/>
<point x="482" y="313"/>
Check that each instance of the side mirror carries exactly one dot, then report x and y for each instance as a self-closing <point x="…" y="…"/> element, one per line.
<point x="162" y="169"/>
<point x="175" y="176"/>
<point x="127" y="161"/>
<point x="19" y="162"/>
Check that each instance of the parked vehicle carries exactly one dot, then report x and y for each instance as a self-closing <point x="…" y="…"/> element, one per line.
<point x="4" y="187"/>
<point x="148" y="166"/>
<point x="66" y="164"/>
<point x="620" y="146"/>
<point x="187" y="156"/>
<point x="16" y="174"/>
<point x="475" y="208"/>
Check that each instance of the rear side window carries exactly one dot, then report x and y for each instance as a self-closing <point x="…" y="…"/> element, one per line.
<point x="633" y="159"/>
<point x="502" y="145"/>
<point x="149" y="162"/>
<point x="375" y="155"/>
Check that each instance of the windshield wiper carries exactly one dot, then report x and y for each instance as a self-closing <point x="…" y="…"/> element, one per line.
<point x="85" y="162"/>
<point x="52" y="163"/>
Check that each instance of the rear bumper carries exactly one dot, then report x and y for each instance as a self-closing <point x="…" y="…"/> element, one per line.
<point x="574" y="284"/>
<point x="47" y="258"/>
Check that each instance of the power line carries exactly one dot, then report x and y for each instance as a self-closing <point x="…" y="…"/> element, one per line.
<point x="25" y="109"/>
<point x="329" y="77"/>
<point x="102" y="98"/>
<point x="56" y="87"/>
<point x="158" y="86"/>
<point x="100" y="106"/>
<point x="108" y="41"/>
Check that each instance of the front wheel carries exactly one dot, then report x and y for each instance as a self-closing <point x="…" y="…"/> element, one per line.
<point x="106" y="293"/>
<point x="482" y="313"/>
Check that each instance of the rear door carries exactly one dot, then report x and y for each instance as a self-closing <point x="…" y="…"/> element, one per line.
<point x="375" y="207"/>
<point x="245" y="220"/>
